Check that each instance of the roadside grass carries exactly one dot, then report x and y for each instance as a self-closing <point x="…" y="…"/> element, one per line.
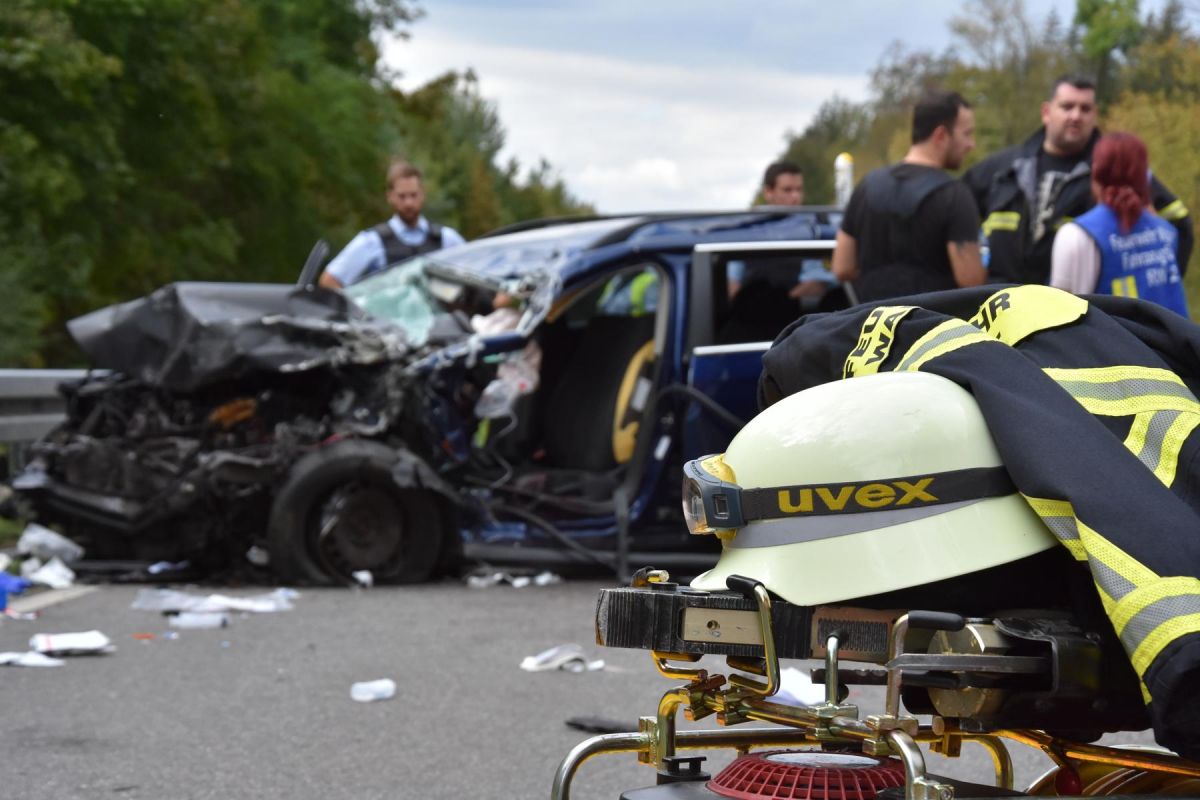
<point x="10" y="531"/>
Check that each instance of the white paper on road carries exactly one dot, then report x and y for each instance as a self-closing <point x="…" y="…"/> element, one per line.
<point x="83" y="643"/>
<point x="30" y="659"/>
<point x="369" y="691"/>
<point x="54" y="573"/>
<point x="567" y="657"/>
<point x="173" y="600"/>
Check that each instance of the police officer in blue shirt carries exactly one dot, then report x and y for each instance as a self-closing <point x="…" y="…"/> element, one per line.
<point x="406" y="234"/>
<point x="783" y="185"/>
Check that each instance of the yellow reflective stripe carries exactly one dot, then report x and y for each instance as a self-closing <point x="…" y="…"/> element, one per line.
<point x="1121" y="372"/>
<point x="945" y="338"/>
<point x="1165" y="411"/>
<point x="1146" y="698"/>
<point x="1011" y="315"/>
<point x="1125" y="286"/>
<point x="1116" y="574"/>
<point x="874" y="341"/>
<point x="1135" y="442"/>
<point x="1001" y="221"/>
<point x="1107" y="602"/>
<point x="1062" y="221"/>
<point x="1156" y="439"/>
<point x="1113" y="558"/>
<point x="1173" y="211"/>
<point x="1147" y="612"/>
<point x="1126" y="390"/>
<point x="1162" y="636"/>
<point x="1177" y="434"/>
<point x="1059" y="517"/>
<point x="1176" y="592"/>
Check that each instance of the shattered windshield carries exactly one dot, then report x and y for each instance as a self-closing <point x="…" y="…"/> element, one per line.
<point x="403" y="295"/>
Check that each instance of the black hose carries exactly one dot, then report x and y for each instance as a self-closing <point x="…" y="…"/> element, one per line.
<point x="572" y="504"/>
<point x="554" y="532"/>
<point x="695" y="395"/>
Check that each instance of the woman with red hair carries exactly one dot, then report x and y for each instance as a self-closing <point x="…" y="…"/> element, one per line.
<point x="1120" y="247"/>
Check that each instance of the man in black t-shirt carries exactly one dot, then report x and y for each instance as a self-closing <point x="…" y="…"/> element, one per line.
<point x="910" y="227"/>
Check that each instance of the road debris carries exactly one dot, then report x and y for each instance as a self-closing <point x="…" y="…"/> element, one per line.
<point x="485" y="579"/>
<point x="54" y="573"/>
<point x="165" y="567"/>
<point x="566" y="657"/>
<point x="175" y="601"/>
<point x="30" y="659"/>
<point x="199" y="620"/>
<point x="45" y="544"/>
<point x="369" y="691"/>
<point x="84" y="643"/>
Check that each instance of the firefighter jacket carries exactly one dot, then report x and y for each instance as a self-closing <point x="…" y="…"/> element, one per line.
<point x="1005" y="189"/>
<point x="1092" y="403"/>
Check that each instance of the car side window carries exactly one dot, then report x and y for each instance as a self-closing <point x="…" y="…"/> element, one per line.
<point x="630" y="294"/>
<point x="765" y="292"/>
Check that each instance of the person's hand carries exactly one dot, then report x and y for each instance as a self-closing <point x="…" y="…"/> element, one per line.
<point x="807" y="289"/>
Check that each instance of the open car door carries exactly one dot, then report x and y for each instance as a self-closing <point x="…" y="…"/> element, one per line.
<point x="742" y="294"/>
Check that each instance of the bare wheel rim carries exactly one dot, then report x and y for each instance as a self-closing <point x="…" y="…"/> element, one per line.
<point x="359" y="526"/>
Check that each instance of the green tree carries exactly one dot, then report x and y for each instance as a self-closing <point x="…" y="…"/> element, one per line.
<point x="1006" y="68"/>
<point x="1110" y="29"/>
<point x="839" y="125"/>
<point x="149" y="141"/>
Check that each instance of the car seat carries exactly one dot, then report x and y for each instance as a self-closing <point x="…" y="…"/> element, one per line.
<point x="588" y="422"/>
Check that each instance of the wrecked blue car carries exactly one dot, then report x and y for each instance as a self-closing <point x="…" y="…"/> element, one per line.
<point x="524" y="398"/>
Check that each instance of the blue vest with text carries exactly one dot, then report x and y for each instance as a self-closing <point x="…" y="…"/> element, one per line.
<point x="1140" y="263"/>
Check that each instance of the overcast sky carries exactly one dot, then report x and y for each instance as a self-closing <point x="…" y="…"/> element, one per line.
<point x="665" y="104"/>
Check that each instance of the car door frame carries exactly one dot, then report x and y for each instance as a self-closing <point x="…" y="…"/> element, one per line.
<point x="700" y="347"/>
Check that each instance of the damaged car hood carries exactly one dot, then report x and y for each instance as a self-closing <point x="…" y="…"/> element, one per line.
<point x="188" y="335"/>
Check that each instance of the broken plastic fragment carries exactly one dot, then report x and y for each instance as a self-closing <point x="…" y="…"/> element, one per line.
<point x="45" y="544"/>
<point x="199" y="620"/>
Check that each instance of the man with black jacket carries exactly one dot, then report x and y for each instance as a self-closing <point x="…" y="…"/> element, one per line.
<point x="1026" y="192"/>
<point x="406" y="234"/>
<point x="910" y="227"/>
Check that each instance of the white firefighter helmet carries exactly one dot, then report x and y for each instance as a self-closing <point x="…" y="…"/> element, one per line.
<point x="858" y="487"/>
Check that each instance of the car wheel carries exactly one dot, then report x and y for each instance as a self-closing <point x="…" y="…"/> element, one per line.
<point x="340" y="511"/>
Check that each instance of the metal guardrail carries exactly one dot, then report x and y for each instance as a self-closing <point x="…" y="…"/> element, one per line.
<point x="30" y="405"/>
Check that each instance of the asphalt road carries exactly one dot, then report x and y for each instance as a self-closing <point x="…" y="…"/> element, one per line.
<point x="262" y="709"/>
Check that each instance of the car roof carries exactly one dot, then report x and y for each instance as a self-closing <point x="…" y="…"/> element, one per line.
<point x="559" y="245"/>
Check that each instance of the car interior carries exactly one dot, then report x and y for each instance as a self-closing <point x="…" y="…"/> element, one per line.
<point x="567" y="445"/>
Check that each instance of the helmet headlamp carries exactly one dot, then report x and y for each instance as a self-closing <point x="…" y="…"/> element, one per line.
<point x="710" y="504"/>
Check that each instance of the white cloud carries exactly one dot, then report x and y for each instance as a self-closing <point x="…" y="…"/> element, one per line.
<point x="629" y="135"/>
